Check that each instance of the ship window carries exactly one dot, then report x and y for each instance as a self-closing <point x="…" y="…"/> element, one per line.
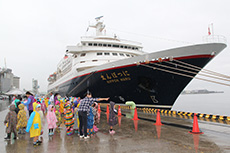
<point x="99" y="44"/>
<point x="82" y="62"/>
<point x="106" y="53"/>
<point x="109" y="45"/>
<point x="83" y="44"/>
<point x="94" y="44"/>
<point x="122" y="46"/>
<point x="99" y="53"/>
<point x="114" y="54"/>
<point x="94" y="60"/>
<point x="90" y="44"/>
<point x="127" y="55"/>
<point x="132" y="48"/>
<point x="116" y="46"/>
<point x="121" y="54"/>
<point x="132" y="55"/>
<point x="104" y="45"/>
<point x="126" y="47"/>
<point x="75" y="55"/>
<point x="129" y="47"/>
<point x="83" y="54"/>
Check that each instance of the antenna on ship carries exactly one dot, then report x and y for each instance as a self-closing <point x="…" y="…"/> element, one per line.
<point x="98" y="18"/>
<point x="5" y="63"/>
<point x="99" y="26"/>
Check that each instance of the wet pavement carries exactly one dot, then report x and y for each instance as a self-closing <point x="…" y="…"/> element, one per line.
<point x="131" y="136"/>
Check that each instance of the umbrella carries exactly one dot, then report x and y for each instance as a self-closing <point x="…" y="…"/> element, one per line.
<point x="15" y="91"/>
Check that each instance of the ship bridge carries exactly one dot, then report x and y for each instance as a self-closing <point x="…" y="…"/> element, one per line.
<point x="100" y="49"/>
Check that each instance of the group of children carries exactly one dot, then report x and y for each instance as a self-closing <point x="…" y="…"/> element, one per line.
<point x="71" y="119"/>
<point x="18" y="121"/>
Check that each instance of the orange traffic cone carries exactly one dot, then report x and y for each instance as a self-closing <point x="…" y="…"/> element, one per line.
<point x="135" y="122"/>
<point x="135" y="117"/>
<point x="119" y="111"/>
<point x="119" y="121"/>
<point x="107" y="111"/>
<point x="195" y="129"/>
<point x="158" y="121"/>
<point x="99" y="108"/>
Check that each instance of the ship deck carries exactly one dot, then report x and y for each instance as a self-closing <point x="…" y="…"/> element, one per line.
<point x="130" y="136"/>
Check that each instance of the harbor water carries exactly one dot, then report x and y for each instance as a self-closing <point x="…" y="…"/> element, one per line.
<point x="216" y="104"/>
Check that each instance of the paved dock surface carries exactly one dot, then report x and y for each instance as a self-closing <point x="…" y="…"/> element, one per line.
<point x="131" y="136"/>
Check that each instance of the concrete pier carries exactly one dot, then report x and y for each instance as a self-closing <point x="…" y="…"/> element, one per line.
<point x="131" y="136"/>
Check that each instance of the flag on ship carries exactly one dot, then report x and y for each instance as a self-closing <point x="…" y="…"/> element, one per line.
<point x="209" y="32"/>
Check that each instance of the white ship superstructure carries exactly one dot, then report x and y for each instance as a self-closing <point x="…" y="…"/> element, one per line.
<point x="93" y="51"/>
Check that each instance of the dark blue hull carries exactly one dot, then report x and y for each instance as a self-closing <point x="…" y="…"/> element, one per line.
<point x="145" y="86"/>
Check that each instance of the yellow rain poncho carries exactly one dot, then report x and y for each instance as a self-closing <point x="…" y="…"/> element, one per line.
<point x="34" y="123"/>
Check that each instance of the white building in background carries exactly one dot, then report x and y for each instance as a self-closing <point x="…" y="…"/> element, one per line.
<point x="6" y="80"/>
<point x="16" y="82"/>
<point x="35" y="86"/>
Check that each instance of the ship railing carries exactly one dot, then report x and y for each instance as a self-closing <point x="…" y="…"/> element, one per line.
<point x="215" y="39"/>
<point x="120" y="40"/>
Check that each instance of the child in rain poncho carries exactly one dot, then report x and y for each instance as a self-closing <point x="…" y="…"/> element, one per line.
<point x="112" y="117"/>
<point x="90" y="119"/>
<point x="46" y="102"/>
<point x="62" y="107"/>
<point x="69" y="120"/>
<point x="34" y="125"/>
<point x="43" y="106"/>
<point x="51" y="119"/>
<point x="58" y="115"/>
<point x="22" y="119"/>
<point x="96" y="118"/>
<point x="11" y="122"/>
<point x="42" y="122"/>
<point x="76" y="119"/>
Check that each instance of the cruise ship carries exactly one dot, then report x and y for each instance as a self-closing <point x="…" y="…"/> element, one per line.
<point x="108" y="66"/>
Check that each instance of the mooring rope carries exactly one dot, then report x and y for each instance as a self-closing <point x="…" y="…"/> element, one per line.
<point x="200" y="69"/>
<point x="185" y="75"/>
<point x="215" y="77"/>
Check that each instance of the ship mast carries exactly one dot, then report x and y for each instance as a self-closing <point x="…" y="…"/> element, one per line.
<point x="99" y="26"/>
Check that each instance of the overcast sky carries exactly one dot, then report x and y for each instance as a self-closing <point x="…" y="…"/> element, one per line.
<point x="34" y="33"/>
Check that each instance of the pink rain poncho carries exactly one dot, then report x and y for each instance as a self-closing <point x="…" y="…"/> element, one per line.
<point x="51" y="118"/>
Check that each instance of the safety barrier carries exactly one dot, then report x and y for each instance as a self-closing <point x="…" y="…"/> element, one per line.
<point x="181" y="114"/>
